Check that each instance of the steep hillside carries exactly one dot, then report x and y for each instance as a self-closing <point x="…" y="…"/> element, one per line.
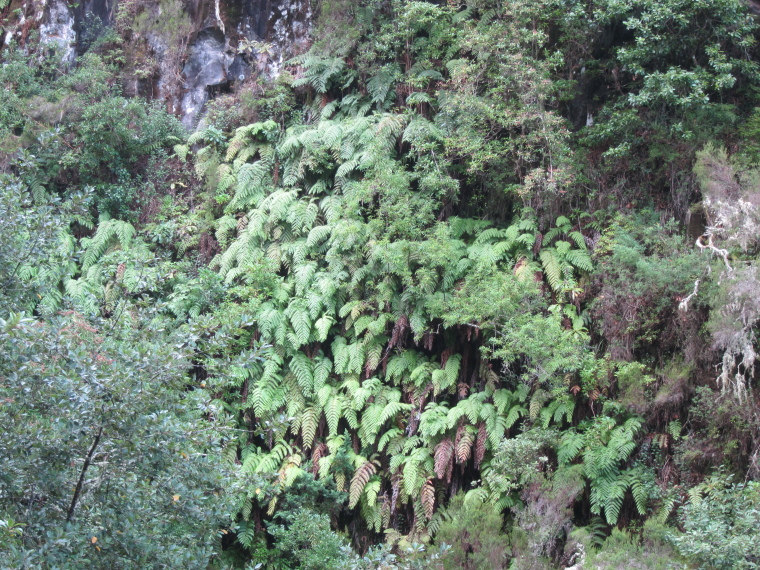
<point x="388" y="284"/>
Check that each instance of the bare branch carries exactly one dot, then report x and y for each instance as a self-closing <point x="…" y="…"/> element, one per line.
<point x="684" y="304"/>
<point x="80" y="483"/>
<point x="723" y="253"/>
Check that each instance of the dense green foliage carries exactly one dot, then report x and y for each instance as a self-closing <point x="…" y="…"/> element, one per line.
<point x="469" y="285"/>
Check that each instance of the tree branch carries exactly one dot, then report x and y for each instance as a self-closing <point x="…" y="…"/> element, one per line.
<point x="684" y="304"/>
<point x="80" y="483"/>
<point x="712" y="247"/>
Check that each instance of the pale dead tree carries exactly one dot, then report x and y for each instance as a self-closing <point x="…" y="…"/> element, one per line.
<point x="732" y="326"/>
<point x="731" y="201"/>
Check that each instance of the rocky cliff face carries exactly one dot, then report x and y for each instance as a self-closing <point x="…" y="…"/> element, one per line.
<point x="272" y="31"/>
<point x="200" y="47"/>
<point x="58" y="26"/>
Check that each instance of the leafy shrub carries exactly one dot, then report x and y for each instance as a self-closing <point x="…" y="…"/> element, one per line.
<point x="306" y="541"/>
<point x="721" y="524"/>
<point x="78" y="130"/>
<point x="649" y="550"/>
<point x="474" y="532"/>
<point x="107" y="460"/>
<point x="382" y="557"/>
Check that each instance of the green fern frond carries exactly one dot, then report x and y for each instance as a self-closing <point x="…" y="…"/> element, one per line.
<point x="308" y="423"/>
<point x="107" y="235"/>
<point x="319" y="71"/>
<point x="580" y="260"/>
<point x="570" y="447"/>
<point x="552" y="268"/>
<point x="301" y="366"/>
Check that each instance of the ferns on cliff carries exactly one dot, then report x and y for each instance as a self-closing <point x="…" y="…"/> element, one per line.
<point x="323" y="218"/>
<point x="375" y="374"/>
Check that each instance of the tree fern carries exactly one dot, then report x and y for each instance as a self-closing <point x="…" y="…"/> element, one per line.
<point x="271" y="461"/>
<point x="580" y="259"/>
<point x="318" y="71"/>
<point x="413" y="473"/>
<point x="446" y="378"/>
<point x="354" y="299"/>
<point x="434" y="420"/>
<point x="380" y="85"/>
<point x="571" y="445"/>
<point x="370" y="509"/>
<point x="606" y="447"/>
<point x="298" y="315"/>
<point x="109" y="232"/>
<point x="556" y="410"/>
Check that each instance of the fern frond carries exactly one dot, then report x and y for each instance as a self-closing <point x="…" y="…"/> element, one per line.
<point x="309" y="422"/>
<point x="427" y="496"/>
<point x="108" y="233"/>
<point x="570" y="447"/>
<point x="464" y="441"/>
<point x="552" y="268"/>
<point x="392" y="409"/>
<point x="444" y="457"/>
<point x="333" y="413"/>
<point x="359" y="481"/>
<point x="580" y="259"/>
<point x="638" y="490"/>
<point x="301" y="366"/>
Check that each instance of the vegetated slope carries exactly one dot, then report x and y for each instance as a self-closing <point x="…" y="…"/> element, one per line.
<point x="478" y="274"/>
